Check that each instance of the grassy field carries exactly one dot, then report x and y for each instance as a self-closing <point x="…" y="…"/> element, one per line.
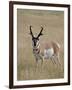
<point x="53" y="24"/>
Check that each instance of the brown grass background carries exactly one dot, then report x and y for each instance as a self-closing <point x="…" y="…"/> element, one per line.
<point x="53" y="24"/>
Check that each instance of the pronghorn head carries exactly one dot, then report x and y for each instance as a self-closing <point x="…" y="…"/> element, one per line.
<point x="35" y="39"/>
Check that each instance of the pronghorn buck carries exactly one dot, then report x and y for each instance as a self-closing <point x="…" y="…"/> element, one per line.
<point x="51" y="50"/>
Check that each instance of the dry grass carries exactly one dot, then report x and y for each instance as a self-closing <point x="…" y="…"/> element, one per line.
<point x="53" y="23"/>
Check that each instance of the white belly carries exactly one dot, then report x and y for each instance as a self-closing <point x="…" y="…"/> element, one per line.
<point x="48" y="53"/>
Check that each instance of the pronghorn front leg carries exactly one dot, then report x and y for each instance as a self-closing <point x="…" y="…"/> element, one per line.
<point x="41" y="63"/>
<point x="35" y="70"/>
<point x="40" y="58"/>
<point x="36" y="64"/>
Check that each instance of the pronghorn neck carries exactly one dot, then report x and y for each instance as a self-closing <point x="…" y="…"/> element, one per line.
<point x="36" y="50"/>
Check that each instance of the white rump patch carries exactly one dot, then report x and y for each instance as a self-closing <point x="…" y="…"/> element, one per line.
<point x="48" y="53"/>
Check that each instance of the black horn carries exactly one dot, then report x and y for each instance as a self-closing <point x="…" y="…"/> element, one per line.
<point x="40" y="33"/>
<point x="31" y="31"/>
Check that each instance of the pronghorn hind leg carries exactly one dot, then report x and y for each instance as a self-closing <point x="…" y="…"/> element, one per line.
<point x="59" y="63"/>
<point x="58" y="60"/>
<point x="53" y="60"/>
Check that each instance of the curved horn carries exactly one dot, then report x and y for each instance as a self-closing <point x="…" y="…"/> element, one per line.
<point x="31" y="32"/>
<point x="40" y="32"/>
